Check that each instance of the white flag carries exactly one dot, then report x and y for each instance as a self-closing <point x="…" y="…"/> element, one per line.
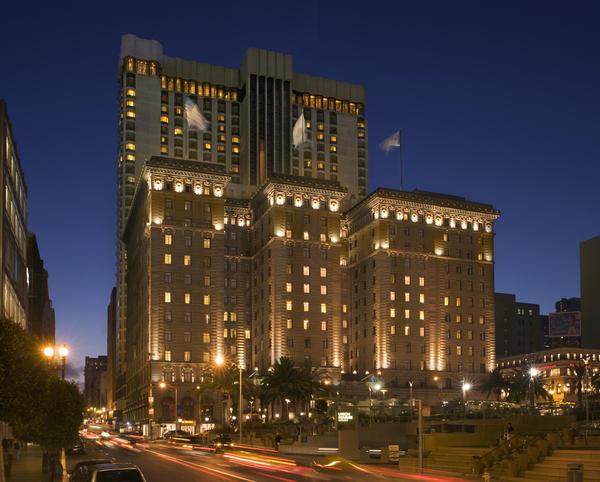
<point x="299" y="134"/>
<point x="391" y="142"/>
<point x="195" y="120"/>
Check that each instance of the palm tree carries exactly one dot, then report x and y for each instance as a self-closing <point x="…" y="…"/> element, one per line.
<point x="281" y="383"/>
<point x="522" y="386"/>
<point x="579" y="370"/>
<point x="310" y="382"/>
<point x="494" y="383"/>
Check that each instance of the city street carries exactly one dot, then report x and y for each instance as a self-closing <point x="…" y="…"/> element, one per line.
<point x="162" y="462"/>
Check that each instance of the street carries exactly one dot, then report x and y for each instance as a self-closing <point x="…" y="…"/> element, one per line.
<point x="164" y="462"/>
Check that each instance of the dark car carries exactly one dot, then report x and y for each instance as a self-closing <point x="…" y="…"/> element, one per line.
<point x="76" y="448"/>
<point x="221" y="442"/>
<point x="117" y="473"/>
<point x="176" y="434"/>
<point x="82" y="472"/>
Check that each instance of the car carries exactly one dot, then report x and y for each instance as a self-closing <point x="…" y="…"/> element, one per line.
<point x="117" y="473"/>
<point x="221" y="441"/>
<point x="176" y="434"/>
<point x="82" y="472"/>
<point x="77" y="448"/>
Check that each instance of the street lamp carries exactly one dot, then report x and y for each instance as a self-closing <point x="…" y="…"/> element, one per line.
<point x="466" y="386"/>
<point x="533" y="372"/>
<point x="219" y="361"/>
<point x="162" y="386"/>
<point x="56" y="356"/>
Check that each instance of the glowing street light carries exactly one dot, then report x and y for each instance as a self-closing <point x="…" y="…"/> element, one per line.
<point x="533" y="372"/>
<point x="466" y="386"/>
<point x="56" y="355"/>
<point x="49" y="352"/>
<point x="219" y="360"/>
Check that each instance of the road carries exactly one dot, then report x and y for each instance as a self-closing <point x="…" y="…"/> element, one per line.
<point x="163" y="462"/>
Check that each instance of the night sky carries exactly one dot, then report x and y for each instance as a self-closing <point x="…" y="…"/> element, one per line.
<point x="498" y="103"/>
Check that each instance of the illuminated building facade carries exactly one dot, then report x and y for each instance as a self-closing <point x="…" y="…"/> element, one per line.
<point x="420" y="288"/>
<point x="251" y="110"/>
<point x="13" y="279"/>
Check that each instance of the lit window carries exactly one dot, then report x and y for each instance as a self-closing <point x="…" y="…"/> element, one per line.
<point x="407" y="297"/>
<point x="407" y="330"/>
<point x="407" y="280"/>
<point x="288" y="287"/>
<point x="305" y="235"/>
<point x="323" y="308"/>
<point x="235" y="140"/>
<point x="323" y="272"/>
<point x="333" y="139"/>
<point x="407" y="314"/>
<point x="306" y="287"/>
<point x="289" y="324"/>
<point x="187" y="260"/>
<point x="308" y="124"/>
<point x="206" y="243"/>
<point x="130" y="103"/>
<point x="392" y="312"/>
<point x="323" y="326"/>
<point x="421" y="315"/>
<point x="164" y="119"/>
<point x="187" y="298"/>
<point x="130" y="146"/>
<point x="206" y="300"/>
<point x="167" y="296"/>
<point x="288" y="305"/>
<point x="131" y="114"/>
<point x="421" y="281"/>
<point x="458" y="301"/>
<point x="235" y="149"/>
<point x="247" y="334"/>
<point x="167" y="258"/>
<point x="392" y="296"/>
<point x="333" y="148"/>
<point x="446" y="301"/>
<point x="206" y="337"/>
<point x="459" y="350"/>
<point x="306" y="270"/>
<point x="187" y="356"/>
<point x="421" y="298"/>
<point x="320" y="166"/>
<point x="422" y="331"/>
<point x="130" y="157"/>
<point x="306" y="306"/>
<point x="207" y="146"/>
<point x="131" y="92"/>
<point x="306" y="324"/>
<point x="392" y="329"/>
<point x="178" y="131"/>
<point x="168" y="239"/>
<point x="323" y="289"/>
<point x="167" y="355"/>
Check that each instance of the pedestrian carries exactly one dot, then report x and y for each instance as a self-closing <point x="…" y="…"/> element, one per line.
<point x="17" y="449"/>
<point x="277" y="441"/>
<point x="510" y="431"/>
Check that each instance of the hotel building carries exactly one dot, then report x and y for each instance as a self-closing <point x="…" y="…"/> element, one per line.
<point x="237" y="246"/>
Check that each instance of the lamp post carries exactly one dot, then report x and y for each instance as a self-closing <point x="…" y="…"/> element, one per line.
<point x="57" y="358"/>
<point x="162" y="386"/>
<point x="466" y="386"/>
<point x="219" y="361"/>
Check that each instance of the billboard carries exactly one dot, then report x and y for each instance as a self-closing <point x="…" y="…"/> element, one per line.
<point x="567" y="323"/>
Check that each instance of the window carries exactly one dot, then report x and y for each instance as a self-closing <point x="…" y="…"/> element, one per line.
<point x="206" y="300"/>
<point x="206" y="243"/>
<point x="392" y="329"/>
<point x="306" y="287"/>
<point x="207" y="281"/>
<point x="306" y="324"/>
<point x="187" y="260"/>
<point x="288" y="305"/>
<point x="167" y="258"/>
<point x="407" y="330"/>
<point x="305" y="235"/>
<point x="187" y="298"/>
<point x="289" y="324"/>
<point x="323" y="308"/>
<point x="421" y="281"/>
<point x="167" y="296"/>
<point x="323" y="272"/>
<point x="306" y="270"/>
<point x="392" y="296"/>
<point x="406" y="314"/>
<point x="288" y="287"/>
<point x="459" y="350"/>
<point x="458" y="301"/>
<point x="168" y="278"/>
<point x="167" y="355"/>
<point x="446" y="301"/>
<point x="205" y="337"/>
<point x="323" y="289"/>
<point x="421" y="315"/>
<point x="407" y="297"/>
<point x="187" y="336"/>
<point x="407" y="280"/>
<point x="306" y="306"/>
<point x="421" y="298"/>
<point x="422" y="331"/>
<point x="187" y="356"/>
<point x="168" y="239"/>
<point x="187" y="279"/>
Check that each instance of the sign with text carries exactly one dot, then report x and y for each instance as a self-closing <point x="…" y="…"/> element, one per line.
<point x="345" y="417"/>
<point x="567" y="323"/>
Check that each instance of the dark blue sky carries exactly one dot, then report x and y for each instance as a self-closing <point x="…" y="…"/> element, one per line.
<point x="497" y="102"/>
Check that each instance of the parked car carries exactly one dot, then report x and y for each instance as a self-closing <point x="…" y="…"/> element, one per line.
<point x="117" y="473"/>
<point x="82" y="472"/>
<point x="176" y="434"/>
<point x="77" y="448"/>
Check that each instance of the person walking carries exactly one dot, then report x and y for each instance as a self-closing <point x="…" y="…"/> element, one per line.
<point x="510" y="431"/>
<point x="277" y="441"/>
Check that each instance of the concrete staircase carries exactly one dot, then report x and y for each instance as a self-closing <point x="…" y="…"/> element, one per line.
<point x="453" y="459"/>
<point x="554" y="467"/>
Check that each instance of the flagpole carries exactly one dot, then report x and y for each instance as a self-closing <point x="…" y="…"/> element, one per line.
<point x="401" y="161"/>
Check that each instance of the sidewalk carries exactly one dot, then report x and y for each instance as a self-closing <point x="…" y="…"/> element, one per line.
<point x="29" y="466"/>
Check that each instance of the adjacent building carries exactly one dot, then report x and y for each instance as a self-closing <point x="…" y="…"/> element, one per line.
<point x="41" y="317"/>
<point x="589" y="256"/>
<point x="519" y="328"/>
<point x="13" y="226"/>
<point x="111" y="334"/>
<point x="564" y="326"/>
<point x="96" y="382"/>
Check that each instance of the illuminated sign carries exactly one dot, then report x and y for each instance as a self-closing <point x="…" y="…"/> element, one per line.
<point x="566" y="323"/>
<point x="345" y="416"/>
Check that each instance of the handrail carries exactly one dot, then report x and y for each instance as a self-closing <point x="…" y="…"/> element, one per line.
<point x="519" y="441"/>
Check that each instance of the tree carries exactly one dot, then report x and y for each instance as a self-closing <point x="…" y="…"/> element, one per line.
<point x="494" y="383"/>
<point x="309" y="382"/>
<point x="523" y="386"/>
<point x="281" y="383"/>
<point x="579" y="370"/>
